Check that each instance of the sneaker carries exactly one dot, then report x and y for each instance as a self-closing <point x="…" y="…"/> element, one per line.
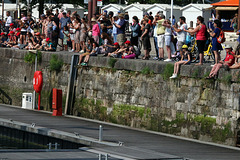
<point x="161" y="59"/>
<point x="167" y="60"/>
<point x="82" y="51"/>
<point x="71" y="50"/>
<point x="173" y="76"/>
<point x="85" y="64"/>
<point x="82" y="64"/>
<point x="155" y="58"/>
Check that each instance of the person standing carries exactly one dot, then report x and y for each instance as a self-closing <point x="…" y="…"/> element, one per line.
<point x="63" y="22"/>
<point x="201" y="38"/>
<point x="114" y="32"/>
<point x="234" y="22"/>
<point x="95" y="30"/>
<point x="216" y="46"/>
<point x="135" y="28"/>
<point x="120" y="29"/>
<point x="8" y="21"/>
<point x="155" y="26"/>
<point x="181" y="34"/>
<point x="160" y="36"/>
<point x="146" y="39"/>
<point x="167" y="37"/>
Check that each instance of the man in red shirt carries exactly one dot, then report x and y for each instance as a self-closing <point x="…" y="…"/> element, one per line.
<point x="229" y="61"/>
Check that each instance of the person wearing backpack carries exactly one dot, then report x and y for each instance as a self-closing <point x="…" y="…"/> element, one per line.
<point x="216" y="45"/>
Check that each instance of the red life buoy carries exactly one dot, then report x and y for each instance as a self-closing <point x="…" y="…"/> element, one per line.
<point x="38" y="81"/>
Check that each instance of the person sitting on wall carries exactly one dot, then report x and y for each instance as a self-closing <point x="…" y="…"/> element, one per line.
<point x="37" y="41"/>
<point x="130" y="52"/>
<point x="115" y="48"/>
<point x="50" y="46"/>
<point x="237" y="64"/>
<point x="186" y="58"/>
<point x="3" y="39"/>
<point x="12" y="39"/>
<point x="229" y="61"/>
<point x="87" y="49"/>
<point x="94" y="52"/>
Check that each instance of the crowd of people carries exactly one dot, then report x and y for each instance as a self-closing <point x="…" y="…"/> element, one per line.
<point x="105" y="34"/>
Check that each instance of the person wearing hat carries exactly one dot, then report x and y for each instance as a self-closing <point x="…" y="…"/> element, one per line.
<point x="3" y="39"/>
<point x="12" y="39"/>
<point x="11" y="28"/>
<point x="227" y="63"/>
<point x="121" y="25"/>
<point x="50" y="46"/>
<point x="115" y="19"/>
<point x="37" y="41"/>
<point x="130" y="52"/>
<point x="236" y="65"/>
<point x="8" y="21"/>
<point x="186" y="58"/>
<point x="95" y="30"/>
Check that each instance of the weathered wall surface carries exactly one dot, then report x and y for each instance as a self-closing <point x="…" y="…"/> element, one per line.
<point x="138" y="94"/>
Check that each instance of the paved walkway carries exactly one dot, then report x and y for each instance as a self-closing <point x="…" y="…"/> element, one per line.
<point x="137" y="144"/>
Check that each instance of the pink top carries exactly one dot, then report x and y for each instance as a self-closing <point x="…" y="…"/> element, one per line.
<point x="95" y="30"/>
<point x="201" y="33"/>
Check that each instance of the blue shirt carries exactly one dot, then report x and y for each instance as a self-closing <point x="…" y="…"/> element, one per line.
<point x="121" y="30"/>
<point x="64" y="21"/>
<point x="114" y="27"/>
<point x="238" y="37"/>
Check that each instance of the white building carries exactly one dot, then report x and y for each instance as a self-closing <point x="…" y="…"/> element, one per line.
<point x="192" y="11"/>
<point x="35" y="13"/>
<point x="113" y="7"/>
<point x="136" y="10"/>
<point x="166" y="9"/>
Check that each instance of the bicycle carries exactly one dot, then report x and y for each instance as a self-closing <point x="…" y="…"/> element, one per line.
<point x="208" y="54"/>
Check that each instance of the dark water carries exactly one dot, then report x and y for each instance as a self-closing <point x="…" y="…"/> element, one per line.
<point x="17" y="139"/>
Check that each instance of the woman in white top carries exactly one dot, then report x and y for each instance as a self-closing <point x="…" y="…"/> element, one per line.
<point x="168" y="36"/>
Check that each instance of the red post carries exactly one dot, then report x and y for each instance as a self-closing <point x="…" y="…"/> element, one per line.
<point x="89" y="11"/>
<point x="239" y="16"/>
<point x="39" y="100"/>
<point x="94" y="7"/>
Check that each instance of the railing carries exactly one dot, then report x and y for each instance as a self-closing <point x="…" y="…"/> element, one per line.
<point x="4" y="98"/>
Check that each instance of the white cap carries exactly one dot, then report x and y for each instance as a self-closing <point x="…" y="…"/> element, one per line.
<point x="228" y="46"/>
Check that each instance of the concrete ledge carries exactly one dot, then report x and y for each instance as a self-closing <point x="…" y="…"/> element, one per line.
<point x="129" y="64"/>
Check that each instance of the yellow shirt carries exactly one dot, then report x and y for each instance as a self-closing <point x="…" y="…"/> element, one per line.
<point x="160" y="27"/>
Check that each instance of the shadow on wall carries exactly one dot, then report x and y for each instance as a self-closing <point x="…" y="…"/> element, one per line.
<point x="5" y="98"/>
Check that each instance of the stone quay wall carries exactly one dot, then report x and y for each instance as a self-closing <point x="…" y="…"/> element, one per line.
<point x="137" y="93"/>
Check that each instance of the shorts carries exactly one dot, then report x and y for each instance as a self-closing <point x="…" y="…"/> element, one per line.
<point x="235" y="46"/>
<point x="61" y="35"/>
<point x="167" y="40"/>
<point x="160" y="41"/>
<point x="23" y="32"/>
<point x="83" y="37"/>
<point x="188" y="62"/>
<point x="77" y="37"/>
<point x="121" y="39"/>
<point x="201" y="46"/>
<point x="72" y="36"/>
<point x="180" y="44"/>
